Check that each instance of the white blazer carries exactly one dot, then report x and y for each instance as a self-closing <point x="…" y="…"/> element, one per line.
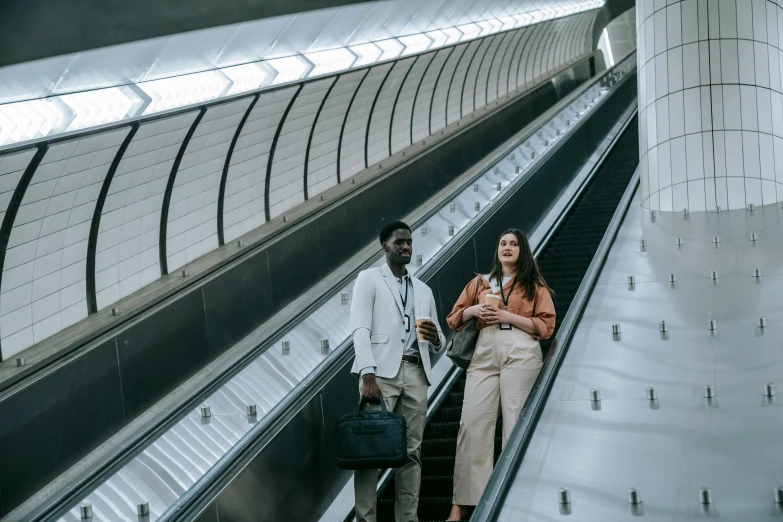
<point x="378" y="322"/>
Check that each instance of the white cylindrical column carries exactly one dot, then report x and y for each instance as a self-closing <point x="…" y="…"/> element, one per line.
<point x="710" y="104"/>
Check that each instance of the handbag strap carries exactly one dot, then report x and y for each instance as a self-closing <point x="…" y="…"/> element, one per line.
<point x="362" y="401"/>
<point x="476" y="293"/>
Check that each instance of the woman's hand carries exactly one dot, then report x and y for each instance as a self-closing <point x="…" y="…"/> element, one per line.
<point x="492" y="316"/>
<point x="471" y="312"/>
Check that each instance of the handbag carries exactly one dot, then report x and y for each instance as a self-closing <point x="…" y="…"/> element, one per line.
<point x="463" y="344"/>
<point x="374" y="439"/>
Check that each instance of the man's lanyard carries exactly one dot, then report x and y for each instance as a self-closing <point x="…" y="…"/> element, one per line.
<point x="505" y="300"/>
<point x="405" y="304"/>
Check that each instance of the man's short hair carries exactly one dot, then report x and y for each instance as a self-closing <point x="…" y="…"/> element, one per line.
<point x="389" y="228"/>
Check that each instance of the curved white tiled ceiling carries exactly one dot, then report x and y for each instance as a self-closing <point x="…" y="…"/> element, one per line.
<point x="84" y="217"/>
<point x="83" y="90"/>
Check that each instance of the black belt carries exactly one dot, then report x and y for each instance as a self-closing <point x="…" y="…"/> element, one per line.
<point x="415" y="359"/>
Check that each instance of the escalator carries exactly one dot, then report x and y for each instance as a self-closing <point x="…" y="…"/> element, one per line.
<point x="563" y="262"/>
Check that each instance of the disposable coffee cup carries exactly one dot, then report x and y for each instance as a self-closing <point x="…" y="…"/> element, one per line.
<point x="492" y="300"/>
<point x="420" y="320"/>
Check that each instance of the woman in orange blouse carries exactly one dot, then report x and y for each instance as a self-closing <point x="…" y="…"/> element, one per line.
<point x="506" y="362"/>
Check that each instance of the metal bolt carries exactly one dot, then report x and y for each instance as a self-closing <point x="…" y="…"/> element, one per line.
<point x="653" y="215"/>
<point x="685" y="212"/>
<point x="631" y="280"/>
<point x="419" y="260"/>
<point x="452" y="207"/>
<point x="240" y="244"/>
<point x="714" y="275"/>
<point x="451" y="230"/>
<point x="497" y="169"/>
<point x="20" y="362"/>
<point x="709" y="392"/>
<point x="475" y="187"/>
<point x="423" y="231"/>
<point x="718" y="209"/>
<point x="540" y="134"/>
<point x="499" y="187"/>
<point x="716" y="239"/>
<point x="533" y="155"/>
<point x="185" y="273"/>
<point x="115" y="311"/>
<point x="662" y="326"/>
<point x="705" y="496"/>
<point x="86" y="510"/>
<point x="652" y="394"/>
<point x="380" y="166"/>
<point x="679" y="241"/>
<point x="286" y="347"/>
<point x="754" y="236"/>
<point x="513" y="156"/>
<point x="353" y="181"/>
<point x="528" y="144"/>
<point x="616" y="329"/>
<point x="595" y="395"/>
<point x="779" y="495"/>
<point x="324" y="346"/>
<point x="756" y="272"/>
<point x="564" y="496"/>
<point x="672" y="278"/>
<point x="344" y="298"/>
<point x="476" y="206"/>
<point x="516" y="169"/>
<point x="285" y="219"/>
<point x="634" y="497"/>
<point x="206" y="412"/>
<point x="252" y="410"/>
<point x="751" y="207"/>
<point x="143" y="509"/>
<point x="322" y="198"/>
<point x="761" y="323"/>
<point x="769" y="390"/>
<point x="712" y="325"/>
<point x="546" y="143"/>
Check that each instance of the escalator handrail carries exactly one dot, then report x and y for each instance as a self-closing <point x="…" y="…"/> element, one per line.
<point x="491" y="502"/>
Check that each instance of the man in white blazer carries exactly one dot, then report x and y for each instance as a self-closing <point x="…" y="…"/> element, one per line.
<point x="393" y="363"/>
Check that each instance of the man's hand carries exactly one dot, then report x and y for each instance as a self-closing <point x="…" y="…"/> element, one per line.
<point x="371" y="392"/>
<point x="429" y="332"/>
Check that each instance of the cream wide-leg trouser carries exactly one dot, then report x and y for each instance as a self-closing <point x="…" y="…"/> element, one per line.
<point x="502" y="372"/>
<point x="405" y="393"/>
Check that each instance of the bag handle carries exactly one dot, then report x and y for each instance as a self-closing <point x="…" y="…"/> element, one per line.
<point x="476" y="293"/>
<point x="362" y="401"/>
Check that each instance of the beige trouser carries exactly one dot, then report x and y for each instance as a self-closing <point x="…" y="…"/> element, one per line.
<point x="503" y="370"/>
<point x="406" y="393"/>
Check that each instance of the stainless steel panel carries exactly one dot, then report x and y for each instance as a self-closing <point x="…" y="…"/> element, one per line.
<point x="671" y="447"/>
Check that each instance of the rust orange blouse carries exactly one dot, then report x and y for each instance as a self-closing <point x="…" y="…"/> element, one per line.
<point x="540" y="310"/>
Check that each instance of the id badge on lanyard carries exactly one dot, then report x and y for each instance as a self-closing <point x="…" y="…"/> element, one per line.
<point x="505" y="326"/>
<point x="404" y="308"/>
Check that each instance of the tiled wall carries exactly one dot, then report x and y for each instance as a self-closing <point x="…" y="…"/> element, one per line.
<point x="173" y="168"/>
<point x="710" y="103"/>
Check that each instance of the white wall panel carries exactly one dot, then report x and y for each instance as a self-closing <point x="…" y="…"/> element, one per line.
<point x="497" y="74"/>
<point x="529" y="54"/>
<point x="423" y="102"/>
<point x="454" y="101"/>
<point x="244" y="205"/>
<point x="127" y="251"/>
<point x="485" y="66"/>
<point x="355" y="131"/>
<point x="43" y="285"/>
<point x="192" y="218"/>
<point x="381" y="117"/>
<point x="443" y="87"/>
<point x="507" y="64"/>
<point x="401" y="128"/>
<point x="322" y="168"/>
<point x="517" y="60"/>
<point x="12" y="166"/>
<point x="286" y="184"/>
<point x="471" y="77"/>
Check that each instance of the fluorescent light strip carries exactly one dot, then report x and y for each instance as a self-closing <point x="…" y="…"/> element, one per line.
<point x="40" y="118"/>
<point x="605" y="34"/>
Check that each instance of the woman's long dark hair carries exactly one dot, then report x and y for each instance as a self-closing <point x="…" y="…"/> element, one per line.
<point x="528" y="274"/>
